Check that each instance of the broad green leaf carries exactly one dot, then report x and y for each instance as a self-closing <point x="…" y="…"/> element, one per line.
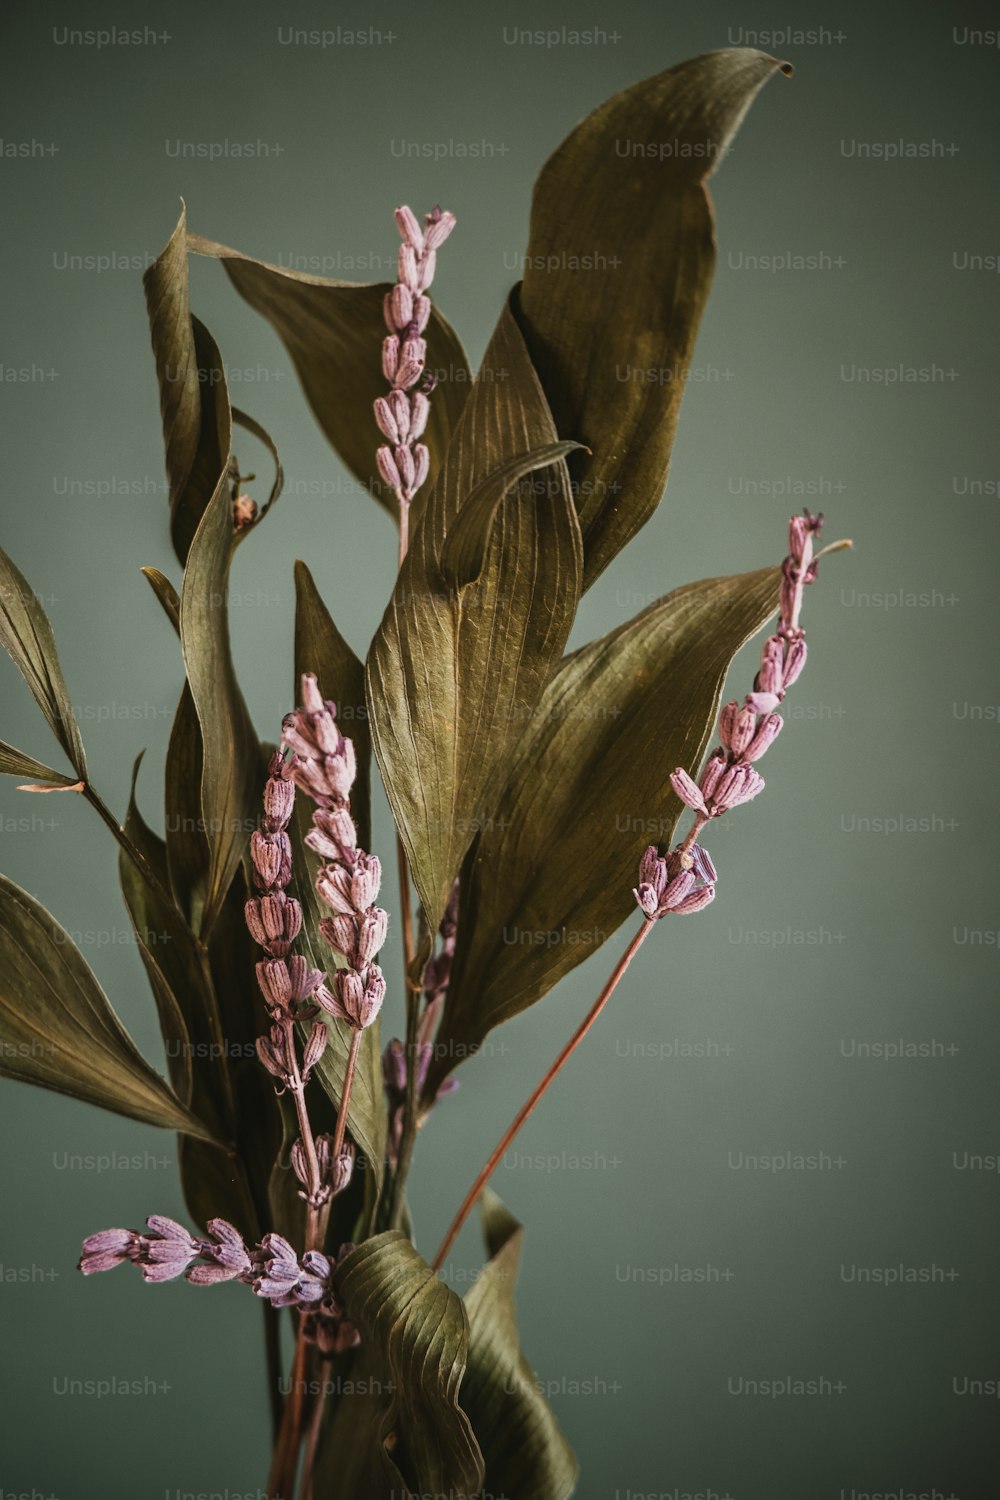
<point x="57" y="1029"/>
<point x="320" y="648"/>
<point x="194" y="402"/>
<point x="231" y="778"/>
<point x="26" y="635"/>
<point x="525" y="1453"/>
<point x="454" y="674"/>
<point x="417" y="1330"/>
<point x="617" y="272"/>
<point x="333" y="331"/>
<point x="15" y="763"/>
<point x="551" y="877"/>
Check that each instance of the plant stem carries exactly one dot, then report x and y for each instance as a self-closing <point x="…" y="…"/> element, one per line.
<point x="135" y="855"/>
<point x="345" y="1098"/>
<point x="528" y="1106"/>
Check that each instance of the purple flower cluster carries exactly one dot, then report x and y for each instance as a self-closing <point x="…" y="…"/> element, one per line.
<point x="323" y="765"/>
<point x="167" y="1250"/>
<point x="684" y="880"/>
<point x="402" y="415"/>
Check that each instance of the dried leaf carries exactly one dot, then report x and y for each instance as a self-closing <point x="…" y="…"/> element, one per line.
<point x="416" y="1328"/>
<point x="526" y="1455"/>
<point x="617" y="272"/>
<point x="57" y="1029"/>
<point x="26" y="635"/>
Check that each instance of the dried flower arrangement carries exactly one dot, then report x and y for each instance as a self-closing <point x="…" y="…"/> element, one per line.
<point x="499" y="760"/>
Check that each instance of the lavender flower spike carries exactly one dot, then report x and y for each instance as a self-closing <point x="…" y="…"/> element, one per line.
<point x="404" y="461"/>
<point x="684" y="880"/>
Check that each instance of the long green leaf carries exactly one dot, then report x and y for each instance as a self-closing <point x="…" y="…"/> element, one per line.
<point x="618" y="269"/>
<point x="333" y="331"/>
<point x="26" y="635"/>
<point x="57" y="1029"/>
<point x="455" y="673"/>
<point x="417" y="1329"/>
<point x="551" y="878"/>
<point x="526" y="1455"/>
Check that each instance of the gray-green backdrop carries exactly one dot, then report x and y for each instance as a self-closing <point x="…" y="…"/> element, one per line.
<point x="761" y="1205"/>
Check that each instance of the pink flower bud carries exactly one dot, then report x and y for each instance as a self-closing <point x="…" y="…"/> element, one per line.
<point x="438" y="230"/>
<point x="687" y="791"/>
<point x="421" y="312"/>
<point x="271" y="854"/>
<point x="677" y="890"/>
<point x="696" y="901"/>
<point x="402" y="305"/>
<point x="314" y="1048"/>
<point x="727" y="721"/>
<point x="399" y="405"/>
<point x="795" y="660"/>
<point x="279" y="799"/>
<point x="386" y="421"/>
<point x="711" y="774"/>
<point x="406" y="268"/>
<point x="744" y="729"/>
<point x="390" y="356"/>
<point x="737" y="784"/>
<point x="408" y="374"/>
<point x="409" y="228"/>
<point x="342" y="1170"/>
<point x="405" y="465"/>
<point x="767" y="733"/>
<point x="419" y="412"/>
<point x="423" y="464"/>
<point x="414" y="351"/>
<point x="648" y="900"/>
<point x="387" y="468"/>
<point x="275" y="982"/>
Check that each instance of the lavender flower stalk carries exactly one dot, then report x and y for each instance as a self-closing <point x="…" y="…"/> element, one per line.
<point x="323" y="764"/>
<point x="402" y="415"/>
<point x="684" y="880"/>
<point x="293" y="993"/>
<point x="272" y="1269"/>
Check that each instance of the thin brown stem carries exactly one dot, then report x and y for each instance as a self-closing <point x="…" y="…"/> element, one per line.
<point x="540" y="1089"/>
<point x="345" y="1098"/>
<point x="312" y="1441"/>
<point x="284" y="1460"/>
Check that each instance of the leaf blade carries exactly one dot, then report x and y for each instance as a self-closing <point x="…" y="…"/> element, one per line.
<point x="642" y="225"/>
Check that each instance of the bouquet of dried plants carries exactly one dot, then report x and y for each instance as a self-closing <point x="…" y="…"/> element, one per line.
<point x="257" y="912"/>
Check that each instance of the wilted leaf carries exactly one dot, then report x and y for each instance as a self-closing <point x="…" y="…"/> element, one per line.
<point x="231" y="779"/>
<point x="526" y="1455"/>
<point x="455" y="674"/>
<point x="333" y="331"/>
<point x="416" y="1329"/>
<point x="16" y="763"/>
<point x="57" y="1029"/>
<point x="166" y="593"/>
<point x="194" y="403"/>
<point x="26" y="635"/>
<point x="617" y="272"/>
<point x="551" y="878"/>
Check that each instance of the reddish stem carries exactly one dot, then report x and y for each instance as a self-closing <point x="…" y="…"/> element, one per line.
<point x="528" y="1106"/>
